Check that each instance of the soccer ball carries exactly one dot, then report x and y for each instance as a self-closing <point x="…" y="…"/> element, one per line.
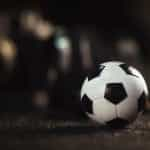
<point x="114" y="94"/>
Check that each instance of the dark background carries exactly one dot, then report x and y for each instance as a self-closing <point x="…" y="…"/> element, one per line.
<point x="102" y="22"/>
<point x="39" y="99"/>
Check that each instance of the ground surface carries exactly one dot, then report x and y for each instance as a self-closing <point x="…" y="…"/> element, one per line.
<point x="35" y="131"/>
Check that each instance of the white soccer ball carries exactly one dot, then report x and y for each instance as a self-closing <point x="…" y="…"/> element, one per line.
<point x="114" y="94"/>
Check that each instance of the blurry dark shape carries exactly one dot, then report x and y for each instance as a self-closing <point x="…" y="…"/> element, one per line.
<point x="129" y="49"/>
<point x="94" y="46"/>
<point x="85" y="51"/>
<point x="52" y="75"/>
<point x="60" y="69"/>
<point x="36" y="53"/>
<point x="8" y="56"/>
<point x="64" y="47"/>
<point x="43" y="29"/>
<point x="33" y="22"/>
<point x="4" y="24"/>
<point x="40" y="100"/>
<point x="29" y="19"/>
<point x="8" y="53"/>
<point x="8" y="50"/>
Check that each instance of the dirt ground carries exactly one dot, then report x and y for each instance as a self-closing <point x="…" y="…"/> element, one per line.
<point x="35" y="131"/>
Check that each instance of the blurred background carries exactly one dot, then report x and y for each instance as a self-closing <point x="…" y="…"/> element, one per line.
<point x="47" y="48"/>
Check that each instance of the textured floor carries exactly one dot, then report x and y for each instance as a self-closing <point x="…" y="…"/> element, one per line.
<point x="35" y="131"/>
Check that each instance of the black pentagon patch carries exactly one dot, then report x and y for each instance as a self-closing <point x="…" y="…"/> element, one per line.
<point x="87" y="104"/>
<point x="141" y="102"/>
<point x="115" y="92"/>
<point x="117" y="123"/>
<point x="95" y="72"/>
<point x="126" y="69"/>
